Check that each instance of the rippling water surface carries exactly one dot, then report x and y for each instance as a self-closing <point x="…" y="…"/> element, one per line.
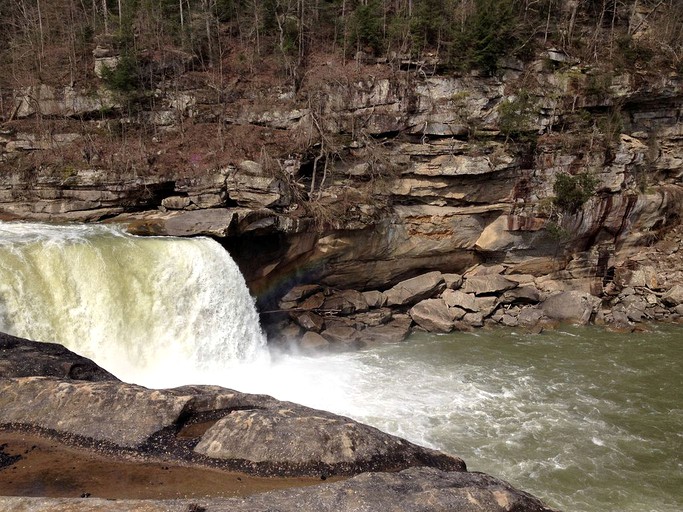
<point x="585" y="419"/>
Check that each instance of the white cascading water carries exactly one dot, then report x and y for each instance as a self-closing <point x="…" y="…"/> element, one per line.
<point x="150" y="310"/>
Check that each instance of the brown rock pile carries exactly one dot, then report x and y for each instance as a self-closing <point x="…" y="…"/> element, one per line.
<point x="330" y="319"/>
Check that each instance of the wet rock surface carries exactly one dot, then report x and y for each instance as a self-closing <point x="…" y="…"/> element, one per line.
<point x="412" y="490"/>
<point x="23" y="358"/>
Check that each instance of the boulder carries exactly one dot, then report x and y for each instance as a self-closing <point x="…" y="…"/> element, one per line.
<point x="509" y="320"/>
<point x="394" y="331"/>
<point x="528" y="317"/>
<point x="645" y="276"/>
<point x="414" y="290"/>
<point x="485" y="305"/>
<point x="473" y="319"/>
<point x="571" y="306"/>
<point x="674" y="296"/>
<point x="345" y="302"/>
<point x="298" y="436"/>
<point x="121" y="414"/>
<point x="635" y="306"/>
<point x="458" y="313"/>
<point x="487" y="284"/>
<point x="459" y="299"/>
<point x="375" y="299"/>
<point x="433" y="315"/>
<point x="301" y="292"/>
<point x="453" y="281"/>
<point x="373" y="318"/>
<point x="342" y="334"/>
<point x="313" y="342"/>
<point x="314" y="302"/>
<point x="310" y="321"/>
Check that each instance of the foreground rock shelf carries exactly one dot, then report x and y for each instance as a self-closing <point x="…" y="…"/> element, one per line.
<point x="48" y="392"/>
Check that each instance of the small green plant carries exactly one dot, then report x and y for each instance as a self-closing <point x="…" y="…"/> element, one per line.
<point x="557" y="232"/>
<point x="124" y="78"/>
<point x="572" y="191"/>
<point x="516" y="115"/>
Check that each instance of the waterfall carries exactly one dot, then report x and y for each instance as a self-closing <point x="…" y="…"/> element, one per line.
<point x="157" y="311"/>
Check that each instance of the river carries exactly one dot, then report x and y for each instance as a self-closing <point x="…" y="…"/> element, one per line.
<point x="585" y="419"/>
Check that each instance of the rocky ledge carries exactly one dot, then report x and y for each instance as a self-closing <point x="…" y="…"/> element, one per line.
<point x="46" y="391"/>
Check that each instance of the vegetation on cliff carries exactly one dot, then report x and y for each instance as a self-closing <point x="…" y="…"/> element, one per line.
<point x="53" y="41"/>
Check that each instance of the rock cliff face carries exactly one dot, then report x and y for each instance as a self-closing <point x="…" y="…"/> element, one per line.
<point x="384" y="175"/>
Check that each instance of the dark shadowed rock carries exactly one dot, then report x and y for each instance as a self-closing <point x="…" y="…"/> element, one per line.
<point x="527" y="294"/>
<point x="411" y="490"/>
<point x="414" y="290"/>
<point x="310" y="321"/>
<point x="24" y="358"/>
<point x="433" y="315"/>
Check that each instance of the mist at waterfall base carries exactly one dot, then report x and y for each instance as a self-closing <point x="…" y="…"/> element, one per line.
<point x="586" y="419"/>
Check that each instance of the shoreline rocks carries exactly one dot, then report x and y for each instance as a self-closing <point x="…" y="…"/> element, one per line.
<point x="485" y="296"/>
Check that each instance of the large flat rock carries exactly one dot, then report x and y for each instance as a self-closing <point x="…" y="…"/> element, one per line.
<point x="310" y="438"/>
<point x="415" y="289"/>
<point x="117" y="413"/>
